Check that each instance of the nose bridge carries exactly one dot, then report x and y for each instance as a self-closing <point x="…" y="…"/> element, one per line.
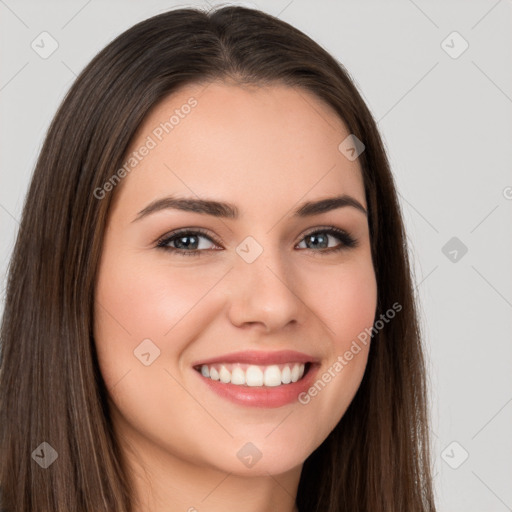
<point x="264" y="267"/>
<point x="261" y="287"/>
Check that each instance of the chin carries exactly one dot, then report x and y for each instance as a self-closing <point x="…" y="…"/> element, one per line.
<point x="261" y="456"/>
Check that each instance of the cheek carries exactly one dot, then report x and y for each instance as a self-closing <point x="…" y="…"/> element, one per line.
<point x="147" y="298"/>
<point x="346" y="301"/>
<point x="136" y="301"/>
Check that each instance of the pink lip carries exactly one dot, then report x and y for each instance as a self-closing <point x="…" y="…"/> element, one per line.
<point x="261" y="358"/>
<point x="264" y="397"/>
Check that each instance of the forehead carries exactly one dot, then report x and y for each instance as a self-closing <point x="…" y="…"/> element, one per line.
<point x="246" y="144"/>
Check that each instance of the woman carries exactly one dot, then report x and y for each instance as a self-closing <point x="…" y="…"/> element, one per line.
<point x="280" y="366"/>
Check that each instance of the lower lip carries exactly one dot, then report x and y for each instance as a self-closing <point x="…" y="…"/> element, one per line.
<point x="263" y="396"/>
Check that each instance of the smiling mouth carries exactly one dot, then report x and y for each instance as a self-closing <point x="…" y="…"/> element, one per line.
<point x="250" y="375"/>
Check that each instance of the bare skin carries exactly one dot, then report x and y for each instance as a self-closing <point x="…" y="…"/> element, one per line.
<point x="267" y="150"/>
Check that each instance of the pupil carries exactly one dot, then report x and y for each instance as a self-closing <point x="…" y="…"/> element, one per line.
<point x="316" y="237"/>
<point x="186" y="245"/>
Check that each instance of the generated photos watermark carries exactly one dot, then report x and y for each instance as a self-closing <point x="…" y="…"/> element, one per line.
<point x="343" y="360"/>
<point x="151" y="142"/>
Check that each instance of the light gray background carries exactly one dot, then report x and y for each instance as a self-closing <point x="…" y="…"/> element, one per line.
<point x="447" y="126"/>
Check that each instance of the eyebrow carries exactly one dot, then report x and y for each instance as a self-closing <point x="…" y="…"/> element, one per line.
<point x="230" y="211"/>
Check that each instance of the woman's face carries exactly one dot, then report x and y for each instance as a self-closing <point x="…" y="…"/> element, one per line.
<point x="252" y="293"/>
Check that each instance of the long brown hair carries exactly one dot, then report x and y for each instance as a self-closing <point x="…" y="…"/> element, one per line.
<point x="51" y="390"/>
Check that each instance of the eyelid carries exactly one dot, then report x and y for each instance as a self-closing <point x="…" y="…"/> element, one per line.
<point x="191" y="229"/>
<point x="322" y="228"/>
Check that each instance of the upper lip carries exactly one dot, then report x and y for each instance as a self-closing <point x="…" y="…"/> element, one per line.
<point x="260" y="358"/>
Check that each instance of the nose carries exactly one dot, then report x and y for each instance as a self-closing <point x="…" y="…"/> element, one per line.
<point x="265" y="293"/>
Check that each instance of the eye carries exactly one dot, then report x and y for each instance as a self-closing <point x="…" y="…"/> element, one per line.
<point x="320" y="238"/>
<point x="186" y="241"/>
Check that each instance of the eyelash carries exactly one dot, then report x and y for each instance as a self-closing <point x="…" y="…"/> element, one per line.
<point x="347" y="241"/>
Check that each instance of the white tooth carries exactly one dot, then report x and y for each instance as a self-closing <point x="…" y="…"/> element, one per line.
<point x="224" y="375"/>
<point x="295" y="373"/>
<point x="272" y="376"/>
<point x="238" y="376"/>
<point x="205" y="372"/>
<point x="254" y="376"/>
<point x="214" y="374"/>
<point x="301" y="370"/>
<point x="286" y="375"/>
